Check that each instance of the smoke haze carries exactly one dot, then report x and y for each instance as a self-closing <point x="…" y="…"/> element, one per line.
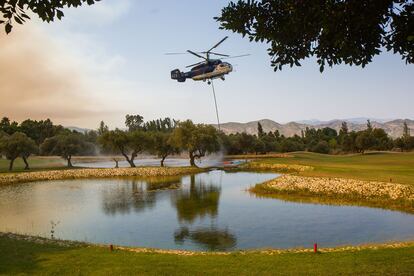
<point x="39" y="81"/>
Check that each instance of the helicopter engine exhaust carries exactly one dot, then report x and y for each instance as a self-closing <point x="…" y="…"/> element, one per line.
<point x="178" y="75"/>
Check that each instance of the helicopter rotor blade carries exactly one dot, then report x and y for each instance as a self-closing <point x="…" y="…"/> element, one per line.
<point x="245" y="55"/>
<point x="197" y="55"/>
<point x="180" y="53"/>
<point x="195" y="64"/>
<point x="217" y="54"/>
<point x="215" y="46"/>
<point x="172" y="54"/>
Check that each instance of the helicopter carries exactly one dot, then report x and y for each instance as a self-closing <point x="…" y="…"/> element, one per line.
<point x="208" y="69"/>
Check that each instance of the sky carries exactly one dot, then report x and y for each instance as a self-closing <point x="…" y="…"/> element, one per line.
<point x="107" y="60"/>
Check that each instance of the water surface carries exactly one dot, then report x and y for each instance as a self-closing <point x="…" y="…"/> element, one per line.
<point x="210" y="161"/>
<point x="208" y="211"/>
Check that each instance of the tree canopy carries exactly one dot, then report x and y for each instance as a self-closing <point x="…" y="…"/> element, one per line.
<point x="166" y="137"/>
<point x="17" y="145"/>
<point x="127" y="143"/>
<point x="134" y="122"/>
<point x="335" y="32"/>
<point x="36" y="130"/>
<point x="197" y="139"/>
<point x="161" y="145"/>
<point x="12" y="11"/>
<point x="67" y="145"/>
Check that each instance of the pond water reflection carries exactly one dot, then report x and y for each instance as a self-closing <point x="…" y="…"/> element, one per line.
<point x="198" y="201"/>
<point x="208" y="211"/>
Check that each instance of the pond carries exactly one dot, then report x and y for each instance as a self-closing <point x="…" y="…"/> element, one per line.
<point x="207" y="211"/>
<point x="211" y="161"/>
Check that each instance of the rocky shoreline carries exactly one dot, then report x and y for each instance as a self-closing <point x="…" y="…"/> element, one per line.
<point x="267" y="251"/>
<point x="391" y="195"/>
<point x="14" y="178"/>
<point x="282" y="168"/>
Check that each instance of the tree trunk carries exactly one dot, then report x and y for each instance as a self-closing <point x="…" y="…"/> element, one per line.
<point x="11" y="164"/>
<point x="69" y="158"/>
<point x="133" y="155"/>
<point x="192" y="159"/>
<point x="26" y="163"/>
<point x="162" y="161"/>
<point x="192" y="162"/>
<point x="116" y="164"/>
<point x="130" y="161"/>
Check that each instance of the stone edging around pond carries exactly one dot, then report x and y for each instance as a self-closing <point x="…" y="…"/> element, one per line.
<point x="14" y="178"/>
<point x="64" y="243"/>
<point x="281" y="168"/>
<point x="343" y="190"/>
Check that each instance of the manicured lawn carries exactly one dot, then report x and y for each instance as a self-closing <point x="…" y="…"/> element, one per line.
<point x="27" y="257"/>
<point x="377" y="166"/>
<point x="36" y="163"/>
<point x="24" y="257"/>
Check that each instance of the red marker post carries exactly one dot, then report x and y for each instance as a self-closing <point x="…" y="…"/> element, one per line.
<point x="315" y="248"/>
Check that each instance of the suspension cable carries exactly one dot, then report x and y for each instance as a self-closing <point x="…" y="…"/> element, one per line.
<point x="215" y="103"/>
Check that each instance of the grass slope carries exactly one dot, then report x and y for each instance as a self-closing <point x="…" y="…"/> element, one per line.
<point x="376" y="166"/>
<point x="26" y="257"/>
<point x="36" y="163"/>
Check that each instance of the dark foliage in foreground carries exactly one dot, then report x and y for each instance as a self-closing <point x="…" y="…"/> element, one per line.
<point x="335" y="32"/>
<point x="15" y="11"/>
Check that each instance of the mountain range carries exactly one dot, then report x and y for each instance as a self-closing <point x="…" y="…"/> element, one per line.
<point x="394" y="128"/>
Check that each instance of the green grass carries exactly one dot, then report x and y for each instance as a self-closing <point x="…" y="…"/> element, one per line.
<point x="376" y="166"/>
<point x="36" y="164"/>
<point x="26" y="257"/>
<point x="304" y="196"/>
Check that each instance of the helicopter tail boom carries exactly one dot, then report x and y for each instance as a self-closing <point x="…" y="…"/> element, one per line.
<point x="178" y="75"/>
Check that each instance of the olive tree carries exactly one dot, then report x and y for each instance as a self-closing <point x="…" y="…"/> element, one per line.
<point x="17" y="145"/>
<point x="138" y="142"/>
<point x="198" y="140"/>
<point x="162" y="145"/>
<point x="129" y="144"/>
<point x="66" y="145"/>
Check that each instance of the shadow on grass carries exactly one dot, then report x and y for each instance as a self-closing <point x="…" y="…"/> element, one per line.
<point x="25" y="257"/>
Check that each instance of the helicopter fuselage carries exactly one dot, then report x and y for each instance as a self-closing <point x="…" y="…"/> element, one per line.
<point x="212" y="69"/>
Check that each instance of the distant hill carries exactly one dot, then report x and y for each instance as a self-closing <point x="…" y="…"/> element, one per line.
<point x="78" y="129"/>
<point x="394" y="128"/>
<point x="358" y="120"/>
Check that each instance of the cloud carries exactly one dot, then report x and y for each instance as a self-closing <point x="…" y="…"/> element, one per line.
<point x="98" y="14"/>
